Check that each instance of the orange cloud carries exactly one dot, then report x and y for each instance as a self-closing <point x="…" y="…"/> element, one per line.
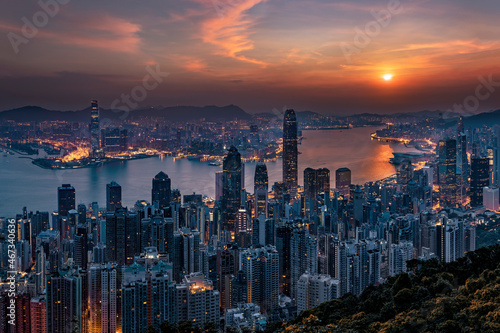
<point x="230" y="30"/>
<point x="106" y="32"/>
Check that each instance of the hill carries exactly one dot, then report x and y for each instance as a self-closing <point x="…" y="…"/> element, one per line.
<point x="462" y="296"/>
<point x="486" y="118"/>
<point x="174" y="113"/>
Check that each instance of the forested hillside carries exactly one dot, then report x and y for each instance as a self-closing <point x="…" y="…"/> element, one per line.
<point x="463" y="296"/>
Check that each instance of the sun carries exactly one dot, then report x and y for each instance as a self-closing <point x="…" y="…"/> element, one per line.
<point x="387" y="77"/>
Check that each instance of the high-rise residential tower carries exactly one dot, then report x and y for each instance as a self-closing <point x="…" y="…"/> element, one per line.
<point x="261" y="268"/>
<point x="290" y="152"/>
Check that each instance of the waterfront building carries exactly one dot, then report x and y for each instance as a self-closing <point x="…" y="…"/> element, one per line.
<point x="65" y="199"/>
<point x="343" y="181"/>
<point x="113" y="196"/>
<point x="161" y="192"/>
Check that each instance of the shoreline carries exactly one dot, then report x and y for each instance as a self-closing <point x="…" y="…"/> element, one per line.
<point x="49" y="164"/>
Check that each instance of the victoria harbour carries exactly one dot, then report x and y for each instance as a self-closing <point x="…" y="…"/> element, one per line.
<point x="367" y="159"/>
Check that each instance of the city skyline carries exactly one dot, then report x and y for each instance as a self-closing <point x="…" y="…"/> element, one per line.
<point x="260" y="55"/>
<point x="247" y="166"/>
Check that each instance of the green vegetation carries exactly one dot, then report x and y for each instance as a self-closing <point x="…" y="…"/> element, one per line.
<point x="488" y="233"/>
<point x="463" y="296"/>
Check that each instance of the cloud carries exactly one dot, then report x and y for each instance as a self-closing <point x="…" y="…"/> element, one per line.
<point x="103" y="32"/>
<point x="230" y="31"/>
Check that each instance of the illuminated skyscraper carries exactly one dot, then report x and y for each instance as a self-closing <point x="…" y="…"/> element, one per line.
<point x="316" y="181"/>
<point x="304" y="257"/>
<point x="113" y="196"/>
<point x="343" y="181"/>
<point x="121" y="236"/>
<point x="94" y="126"/>
<point x="64" y="302"/>
<point x="283" y="245"/>
<point x="462" y="161"/>
<point x="261" y="188"/>
<point x="290" y="152"/>
<point x="447" y="150"/>
<point x="38" y="313"/>
<point x="479" y="178"/>
<point x="231" y="191"/>
<point x="261" y="268"/>
<point x="197" y="300"/>
<point x="65" y="199"/>
<point x="161" y="193"/>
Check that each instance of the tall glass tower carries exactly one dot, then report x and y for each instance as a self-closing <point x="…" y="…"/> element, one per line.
<point x="447" y="150"/>
<point x="290" y="153"/>
<point x="261" y="187"/>
<point x="94" y="126"/>
<point x="161" y="192"/>
<point x="231" y="188"/>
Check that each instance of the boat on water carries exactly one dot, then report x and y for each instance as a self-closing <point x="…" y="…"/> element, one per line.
<point x="215" y="163"/>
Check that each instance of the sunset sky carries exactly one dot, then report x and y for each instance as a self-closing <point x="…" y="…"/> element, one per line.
<point x="257" y="54"/>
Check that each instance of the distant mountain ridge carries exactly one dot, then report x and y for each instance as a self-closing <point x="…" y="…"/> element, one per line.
<point x="173" y="113"/>
<point x="219" y="113"/>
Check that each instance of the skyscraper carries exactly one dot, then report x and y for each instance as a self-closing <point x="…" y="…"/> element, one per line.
<point x="343" y="181"/>
<point x="283" y="245"/>
<point x="38" y="314"/>
<point x="304" y="257"/>
<point x="113" y="196"/>
<point x="479" y="178"/>
<point x="316" y="181"/>
<point x="219" y="184"/>
<point x="64" y="302"/>
<point x="462" y="161"/>
<point x="447" y="167"/>
<point x="94" y="127"/>
<point x="65" y="199"/>
<point x="121" y="236"/>
<point x="314" y="289"/>
<point x="197" y="300"/>
<point x="231" y="191"/>
<point x="261" y="268"/>
<point x="491" y="198"/>
<point x="290" y="152"/>
<point x="161" y="192"/>
<point x="104" y="299"/>
<point x="261" y="188"/>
